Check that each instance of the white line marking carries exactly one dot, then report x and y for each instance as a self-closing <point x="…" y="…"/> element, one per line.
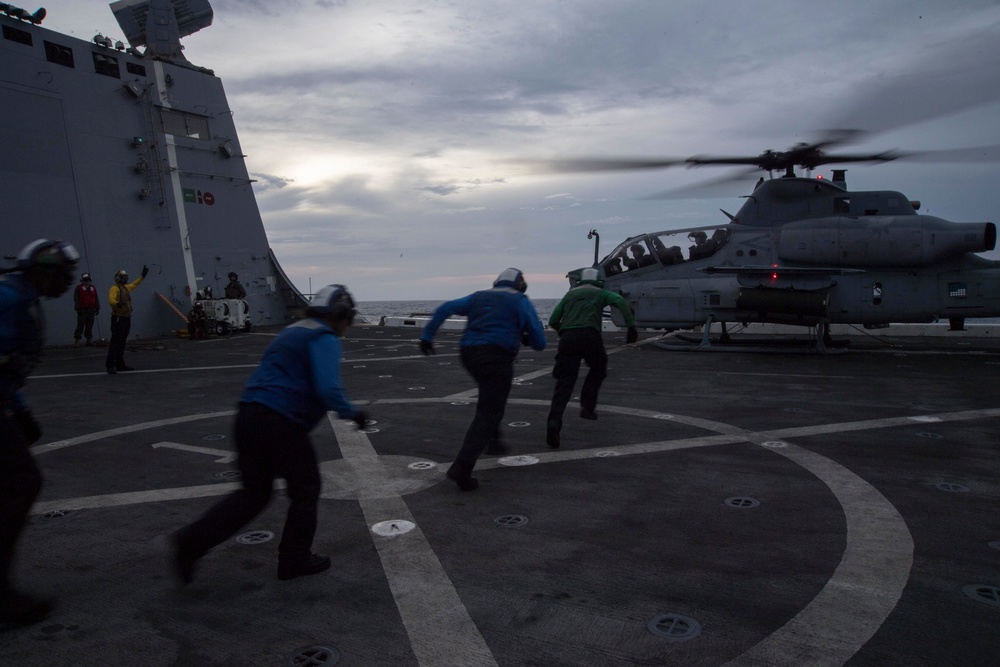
<point x="864" y="589"/>
<point x="136" y="497"/>
<point x="440" y="629"/>
<point x="225" y="456"/>
<point x="60" y="444"/>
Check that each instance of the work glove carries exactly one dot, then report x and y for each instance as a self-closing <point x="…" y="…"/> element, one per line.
<point x="31" y="429"/>
<point x="631" y="335"/>
<point x="145" y="270"/>
<point x="427" y="347"/>
<point x="360" y="418"/>
<point x="525" y="339"/>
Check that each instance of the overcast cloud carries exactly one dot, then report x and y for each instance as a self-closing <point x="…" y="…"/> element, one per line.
<point x="380" y="132"/>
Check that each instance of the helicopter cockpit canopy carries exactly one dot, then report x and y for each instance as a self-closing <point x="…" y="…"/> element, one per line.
<point x="664" y="249"/>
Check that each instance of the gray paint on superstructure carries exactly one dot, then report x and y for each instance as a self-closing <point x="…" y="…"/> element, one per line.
<point x="71" y="170"/>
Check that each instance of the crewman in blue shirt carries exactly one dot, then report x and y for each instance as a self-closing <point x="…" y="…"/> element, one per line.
<point x="44" y="268"/>
<point x="295" y="385"/>
<point x="500" y="320"/>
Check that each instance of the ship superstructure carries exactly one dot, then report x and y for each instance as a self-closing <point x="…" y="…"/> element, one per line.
<point x="132" y="155"/>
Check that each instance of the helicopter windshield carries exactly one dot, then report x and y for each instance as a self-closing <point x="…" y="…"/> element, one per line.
<point x="629" y="256"/>
<point x="665" y="248"/>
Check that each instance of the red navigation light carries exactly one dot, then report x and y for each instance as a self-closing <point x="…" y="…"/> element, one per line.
<point x="820" y="177"/>
<point x="774" y="275"/>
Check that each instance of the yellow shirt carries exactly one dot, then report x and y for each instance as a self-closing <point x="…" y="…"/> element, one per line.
<point x="120" y="299"/>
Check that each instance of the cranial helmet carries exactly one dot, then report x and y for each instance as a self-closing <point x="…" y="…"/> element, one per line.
<point x="85" y="277"/>
<point x="199" y="306"/>
<point x="44" y="253"/>
<point x="333" y="300"/>
<point x="591" y="276"/>
<point x="512" y="278"/>
<point x="232" y="275"/>
<point x="49" y="264"/>
<point x="121" y="276"/>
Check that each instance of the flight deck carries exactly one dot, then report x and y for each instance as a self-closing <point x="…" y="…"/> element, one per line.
<point x="725" y="509"/>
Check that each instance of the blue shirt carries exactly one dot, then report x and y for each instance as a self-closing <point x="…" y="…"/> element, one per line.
<point x="21" y="337"/>
<point x="498" y="316"/>
<point x="299" y="375"/>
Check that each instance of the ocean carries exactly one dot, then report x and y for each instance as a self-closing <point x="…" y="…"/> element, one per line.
<point x="374" y="310"/>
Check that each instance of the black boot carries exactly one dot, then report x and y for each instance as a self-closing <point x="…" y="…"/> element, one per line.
<point x="462" y="475"/>
<point x="311" y="564"/>
<point x="22" y="609"/>
<point x="552" y="433"/>
<point x="182" y="559"/>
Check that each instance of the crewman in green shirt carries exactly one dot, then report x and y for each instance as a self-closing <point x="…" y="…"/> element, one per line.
<point x="577" y="319"/>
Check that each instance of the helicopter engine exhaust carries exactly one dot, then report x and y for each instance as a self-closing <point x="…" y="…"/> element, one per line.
<point x="889" y="241"/>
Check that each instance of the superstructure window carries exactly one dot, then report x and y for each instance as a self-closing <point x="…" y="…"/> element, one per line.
<point x="17" y="35"/>
<point x="106" y="65"/>
<point x="182" y="124"/>
<point x="134" y="68"/>
<point x="59" y="54"/>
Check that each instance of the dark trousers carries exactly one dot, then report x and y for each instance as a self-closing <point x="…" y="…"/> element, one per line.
<point x="120" y="327"/>
<point x="20" y="483"/>
<point x="577" y="345"/>
<point x="84" y="324"/>
<point x="492" y="367"/>
<point x="269" y="445"/>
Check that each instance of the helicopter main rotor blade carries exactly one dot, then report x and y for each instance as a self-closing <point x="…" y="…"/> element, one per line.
<point x="739" y="180"/>
<point x="602" y="164"/>
<point x="976" y="154"/>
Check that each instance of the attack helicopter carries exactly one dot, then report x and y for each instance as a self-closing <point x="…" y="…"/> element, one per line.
<point x="802" y="251"/>
<point x="809" y="251"/>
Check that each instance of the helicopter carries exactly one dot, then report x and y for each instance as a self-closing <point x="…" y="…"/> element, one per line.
<point x="808" y="251"/>
<point x="804" y="251"/>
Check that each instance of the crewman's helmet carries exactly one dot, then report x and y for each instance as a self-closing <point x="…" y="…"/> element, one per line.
<point x="199" y="306"/>
<point x="511" y="278"/>
<point x="85" y="278"/>
<point x="591" y="276"/>
<point x="45" y="253"/>
<point x="233" y="276"/>
<point x="52" y="261"/>
<point x="333" y="300"/>
<point x="121" y="276"/>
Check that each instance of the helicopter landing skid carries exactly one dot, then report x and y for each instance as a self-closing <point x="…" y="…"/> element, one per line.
<point x="821" y="344"/>
<point x="770" y="346"/>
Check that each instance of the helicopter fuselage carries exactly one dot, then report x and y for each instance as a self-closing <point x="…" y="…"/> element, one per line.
<point x="805" y="251"/>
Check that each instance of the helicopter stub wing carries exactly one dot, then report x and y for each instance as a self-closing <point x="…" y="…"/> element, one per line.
<point x="783" y="271"/>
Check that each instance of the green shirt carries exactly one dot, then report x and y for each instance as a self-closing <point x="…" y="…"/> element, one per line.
<point x="582" y="307"/>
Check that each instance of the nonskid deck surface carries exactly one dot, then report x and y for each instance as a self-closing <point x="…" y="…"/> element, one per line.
<point x="724" y="509"/>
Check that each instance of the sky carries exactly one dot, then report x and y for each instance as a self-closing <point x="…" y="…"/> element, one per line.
<point x="394" y="143"/>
